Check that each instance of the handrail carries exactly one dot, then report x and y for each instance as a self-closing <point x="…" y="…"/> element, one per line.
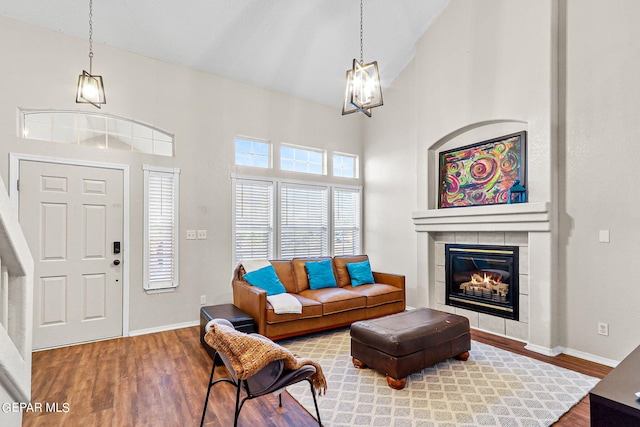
<point x="16" y="304"/>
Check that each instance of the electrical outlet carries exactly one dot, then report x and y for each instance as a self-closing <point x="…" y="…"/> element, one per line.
<point x="202" y="234"/>
<point x="603" y="329"/>
<point x="191" y="234"/>
<point x="203" y="299"/>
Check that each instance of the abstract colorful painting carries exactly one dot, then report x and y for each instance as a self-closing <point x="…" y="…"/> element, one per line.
<point x="482" y="173"/>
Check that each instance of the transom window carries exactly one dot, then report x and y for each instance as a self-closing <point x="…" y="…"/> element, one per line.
<point x="253" y="153"/>
<point x="297" y="159"/>
<point x="95" y="130"/>
<point x="345" y="165"/>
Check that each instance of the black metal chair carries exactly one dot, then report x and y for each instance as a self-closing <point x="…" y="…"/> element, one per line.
<point x="272" y="378"/>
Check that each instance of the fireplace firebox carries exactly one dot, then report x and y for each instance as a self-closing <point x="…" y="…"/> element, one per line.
<point x="483" y="279"/>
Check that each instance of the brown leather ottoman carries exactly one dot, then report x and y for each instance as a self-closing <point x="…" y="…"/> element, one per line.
<point x="408" y="342"/>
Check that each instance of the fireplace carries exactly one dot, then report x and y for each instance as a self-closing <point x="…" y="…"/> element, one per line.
<point x="483" y="278"/>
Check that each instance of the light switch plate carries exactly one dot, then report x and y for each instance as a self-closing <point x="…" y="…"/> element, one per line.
<point x="603" y="236"/>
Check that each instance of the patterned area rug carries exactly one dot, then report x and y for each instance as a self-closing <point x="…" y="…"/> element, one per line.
<point x="493" y="388"/>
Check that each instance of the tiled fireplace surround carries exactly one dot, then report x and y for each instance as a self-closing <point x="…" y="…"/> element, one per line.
<point x="525" y="225"/>
<point x="516" y="329"/>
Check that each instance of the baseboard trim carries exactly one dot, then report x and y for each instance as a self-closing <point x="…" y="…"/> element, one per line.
<point x="574" y="353"/>
<point x="499" y="335"/>
<point x="163" y="328"/>
<point x="553" y="352"/>
<point x="590" y="357"/>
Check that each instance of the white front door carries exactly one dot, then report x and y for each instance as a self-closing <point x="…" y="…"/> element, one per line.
<point x="71" y="217"/>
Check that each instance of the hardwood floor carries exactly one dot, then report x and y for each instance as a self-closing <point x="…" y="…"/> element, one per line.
<point x="161" y="380"/>
<point x="150" y="380"/>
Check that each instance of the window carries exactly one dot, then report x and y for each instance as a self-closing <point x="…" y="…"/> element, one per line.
<point x="282" y="219"/>
<point x="253" y="220"/>
<point x="253" y="153"/>
<point x="346" y="221"/>
<point x="160" y="225"/>
<point x="344" y="165"/>
<point x="303" y="221"/>
<point x="304" y="160"/>
<point x="96" y="130"/>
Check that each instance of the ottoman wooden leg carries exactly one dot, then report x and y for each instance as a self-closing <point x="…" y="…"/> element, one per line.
<point x="395" y="383"/>
<point x="358" y="364"/>
<point x="463" y="356"/>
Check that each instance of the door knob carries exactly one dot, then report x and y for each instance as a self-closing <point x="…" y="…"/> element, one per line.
<point x="116" y="262"/>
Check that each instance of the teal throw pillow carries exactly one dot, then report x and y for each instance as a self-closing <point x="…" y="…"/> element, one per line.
<point x="321" y="274"/>
<point x="360" y="273"/>
<point x="267" y="279"/>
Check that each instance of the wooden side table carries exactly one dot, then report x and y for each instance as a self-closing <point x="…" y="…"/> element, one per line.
<point x="238" y="318"/>
<point x="613" y="401"/>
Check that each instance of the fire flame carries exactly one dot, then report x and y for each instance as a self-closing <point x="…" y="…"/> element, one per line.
<point x="487" y="281"/>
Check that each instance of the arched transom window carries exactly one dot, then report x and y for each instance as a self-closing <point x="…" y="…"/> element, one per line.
<point x="95" y="129"/>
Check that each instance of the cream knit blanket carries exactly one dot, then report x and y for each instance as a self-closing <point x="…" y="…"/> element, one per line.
<point x="249" y="354"/>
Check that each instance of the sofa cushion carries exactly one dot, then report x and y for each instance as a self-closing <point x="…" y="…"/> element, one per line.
<point x="321" y="274"/>
<point x="284" y="270"/>
<point x="336" y="300"/>
<point x="340" y="262"/>
<point x="360" y="273"/>
<point x="300" y="271"/>
<point x="266" y="278"/>
<point x="377" y="293"/>
<point x="310" y="308"/>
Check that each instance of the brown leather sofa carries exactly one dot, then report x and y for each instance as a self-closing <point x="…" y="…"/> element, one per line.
<point x="322" y="309"/>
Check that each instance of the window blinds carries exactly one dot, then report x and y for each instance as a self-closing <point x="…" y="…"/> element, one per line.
<point x="276" y="219"/>
<point x="303" y="221"/>
<point x="161" y="230"/>
<point x="254" y="220"/>
<point x="346" y="221"/>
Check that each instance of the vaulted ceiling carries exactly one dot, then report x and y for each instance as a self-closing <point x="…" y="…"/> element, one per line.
<point x="298" y="47"/>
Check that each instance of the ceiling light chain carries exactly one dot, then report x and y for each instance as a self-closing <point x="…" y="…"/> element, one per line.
<point x="363" y="91"/>
<point x="90" y="87"/>
<point x="90" y="36"/>
<point x="361" y="44"/>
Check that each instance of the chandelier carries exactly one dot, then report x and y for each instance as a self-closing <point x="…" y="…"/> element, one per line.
<point x="363" y="91"/>
<point x="90" y="87"/>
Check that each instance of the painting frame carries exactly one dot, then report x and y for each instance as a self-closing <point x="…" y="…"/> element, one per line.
<point x="482" y="173"/>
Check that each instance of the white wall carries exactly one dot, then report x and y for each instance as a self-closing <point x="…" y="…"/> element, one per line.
<point x="389" y="170"/>
<point x="482" y="66"/>
<point x="40" y="68"/>
<point x="567" y="69"/>
<point x="599" y="168"/>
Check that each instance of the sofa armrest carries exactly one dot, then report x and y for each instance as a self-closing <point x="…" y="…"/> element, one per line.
<point x="253" y="301"/>
<point x="396" y="280"/>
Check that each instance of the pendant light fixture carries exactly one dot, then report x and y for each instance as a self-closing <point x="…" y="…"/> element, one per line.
<point x="90" y="87"/>
<point x="363" y="91"/>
